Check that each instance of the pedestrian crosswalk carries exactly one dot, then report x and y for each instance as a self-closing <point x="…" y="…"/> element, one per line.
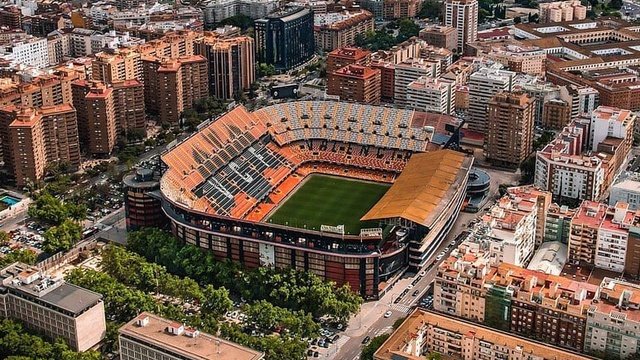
<point x="401" y="308"/>
<point x="384" y="330"/>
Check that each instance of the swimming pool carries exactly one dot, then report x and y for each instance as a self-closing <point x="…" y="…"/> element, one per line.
<point x="9" y="200"/>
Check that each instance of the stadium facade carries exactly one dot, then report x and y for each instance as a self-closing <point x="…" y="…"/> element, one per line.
<point x="220" y="186"/>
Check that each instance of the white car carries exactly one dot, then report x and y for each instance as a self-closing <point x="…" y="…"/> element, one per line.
<point x="439" y="257"/>
<point x="387" y="314"/>
<point x="409" y="287"/>
<point x="423" y="273"/>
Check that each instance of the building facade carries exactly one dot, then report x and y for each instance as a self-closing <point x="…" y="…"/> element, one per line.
<point x="510" y="125"/>
<point x="463" y="16"/>
<point x="285" y="39"/>
<point x="483" y="85"/>
<point x="355" y="83"/>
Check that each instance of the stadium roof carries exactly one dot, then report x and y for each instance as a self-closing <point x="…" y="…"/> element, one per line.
<point x="420" y="188"/>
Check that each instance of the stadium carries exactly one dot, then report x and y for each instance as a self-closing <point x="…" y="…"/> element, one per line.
<point x="354" y="193"/>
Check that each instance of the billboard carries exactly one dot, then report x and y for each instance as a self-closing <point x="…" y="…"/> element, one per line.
<point x="267" y="255"/>
<point x="285" y="91"/>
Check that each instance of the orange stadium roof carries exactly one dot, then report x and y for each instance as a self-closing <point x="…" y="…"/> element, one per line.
<point x="420" y="187"/>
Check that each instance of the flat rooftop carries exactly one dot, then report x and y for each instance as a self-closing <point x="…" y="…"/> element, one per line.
<point x="29" y="283"/>
<point x="201" y="347"/>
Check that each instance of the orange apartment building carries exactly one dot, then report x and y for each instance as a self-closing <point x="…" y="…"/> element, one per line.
<point x="398" y="9"/>
<point x="339" y="58"/>
<point x="38" y="138"/>
<point x="173" y="85"/>
<point x="509" y="138"/>
<point x="355" y="83"/>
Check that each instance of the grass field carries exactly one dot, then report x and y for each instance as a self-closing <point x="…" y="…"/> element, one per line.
<point x="328" y="200"/>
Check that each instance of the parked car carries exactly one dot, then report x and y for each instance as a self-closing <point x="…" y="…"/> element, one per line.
<point x="366" y="339"/>
<point x="387" y="314"/>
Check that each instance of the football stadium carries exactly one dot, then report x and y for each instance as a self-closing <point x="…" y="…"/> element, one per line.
<point x="353" y="193"/>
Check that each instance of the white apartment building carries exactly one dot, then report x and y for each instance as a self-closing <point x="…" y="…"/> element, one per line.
<point x="410" y="70"/>
<point x="463" y="16"/>
<point x="483" y="85"/>
<point x="613" y="320"/>
<point x="432" y="95"/>
<point x="562" y="169"/>
<point x="610" y="122"/>
<point x="25" y="50"/>
<point x="627" y="190"/>
<point x="613" y="233"/>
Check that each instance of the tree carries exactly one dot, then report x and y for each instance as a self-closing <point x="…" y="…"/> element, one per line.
<point x="48" y="209"/>
<point x="4" y="237"/>
<point x="373" y="346"/>
<point x="434" y="356"/>
<point x="62" y="237"/>
<point x="26" y="256"/>
<point x="431" y="9"/>
<point x="266" y="70"/>
<point x="615" y="4"/>
<point x="215" y="302"/>
<point x="242" y="21"/>
<point x="517" y="20"/>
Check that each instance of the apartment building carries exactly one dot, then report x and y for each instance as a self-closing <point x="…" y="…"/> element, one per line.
<point x="459" y="283"/>
<point x="410" y="70"/>
<point x="49" y="131"/>
<point x="558" y="223"/>
<point x="355" y="83"/>
<point x="399" y="9"/>
<point x="483" y="85"/>
<point x="512" y="223"/>
<point x="440" y="36"/>
<point x="58" y="47"/>
<point x="632" y="259"/>
<point x="20" y="49"/>
<point x="337" y="30"/>
<point x="118" y="65"/>
<point x="613" y="234"/>
<point x="559" y="11"/>
<point x="563" y="169"/>
<point x="231" y="66"/>
<point x="510" y="125"/>
<point x="613" y="320"/>
<point x="101" y="120"/>
<point x="627" y="190"/>
<point x="129" y="107"/>
<point x="52" y="307"/>
<point x="583" y="233"/>
<point x="432" y="95"/>
<point x="424" y="332"/>
<point x="556" y="114"/>
<point x="512" y="54"/>
<point x="339" y="58"/>
<point x="173" y="85"/>
<point x="463" y="16"/>
<point x="149" y="337"/>
<point x="11" y="17"/>
<point x="547" y="308"/>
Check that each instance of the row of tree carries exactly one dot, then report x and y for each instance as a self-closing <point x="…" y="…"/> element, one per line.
<point x="127" y="281"/>
<point x="388" y="36"/>
<point x="291" y="289"/>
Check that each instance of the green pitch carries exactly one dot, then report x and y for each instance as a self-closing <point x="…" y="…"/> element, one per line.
<point x="327" y="200"/>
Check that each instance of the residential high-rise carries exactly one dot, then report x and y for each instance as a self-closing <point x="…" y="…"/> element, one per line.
<point x="432" y="95"/>
<point x="101" y="120"/>
<point x="355" y="83"/>
<point x="339" y="58"/>
<point x="560" y="11"/>
<point x="38" y="138"/>
<point x="556" y="114"/>
<point x="173" y="85"/>
<point x="483" y="85"/>
<point x="583" y="235"/>
<point x="462" y="15"/>
<point x="119" y="65"/>
<point x="336" y="30"/>
<point x="95" y="124"/>
<point x="399" y="9"/>
<point x="440" y="36"/>
<point x="149" y="336"/>
<point x="52" y="307"/>
<point x="409" y="71"/>
<point x="509" y="136"/>
<point x="231" y="64"/>
<point x="284" y="39"/>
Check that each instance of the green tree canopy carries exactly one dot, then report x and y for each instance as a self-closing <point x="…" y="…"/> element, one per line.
<point x="62" y="237"/>
<point x="373" y="346"/>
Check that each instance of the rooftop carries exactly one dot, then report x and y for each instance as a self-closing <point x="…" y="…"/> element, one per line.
<point x="186" y="342"/>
